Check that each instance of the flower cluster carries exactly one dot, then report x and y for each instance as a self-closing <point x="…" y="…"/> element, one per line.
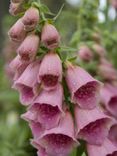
<point x="108" y="96"/>
<point x="41" y="85"/>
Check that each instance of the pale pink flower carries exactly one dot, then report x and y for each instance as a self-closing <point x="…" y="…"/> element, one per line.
<point x="99" y="50"/>
<point x="36" y="128"/>
<point x="83" y="87"/>
<point x="104" y="61"/>
<point x="15" y="8"/>
<point x="47" y="107"/>
<point x="17" y="67"/>
<point x="109" y="98"/>
<point x="15" y="63"/>
<point x="41" y="150"/>
<point x="92" y="125"/>
<point x="107" y="149"/>
<point x="17" y="32"/>
<point x="26" y="83"/>
<point x="85" y="54"/>
<point x="29" y="47"/>
<point x="50" y="36"/>
<point x="59" y="141"/>
<point x="30" y="18"/>
<point x="106" y="72"/>
<point x="50" y="72"/>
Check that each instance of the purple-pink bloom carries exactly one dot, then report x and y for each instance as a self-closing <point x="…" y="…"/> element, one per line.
<point x="59" y="141"/>
<point x="36" y="128"/>
<point x="50" y="72"/>
<point x="47" y="107"/>
<point x="50" y="36"/>
<point x="107" y="72"/>
<point x="85" y="54"/>
<point x="83" y="87"/>
<point x="17" y="32"/>
<point x="30" y="19"/>
<point x="99" y="50"/>
<point x="92" y="125"/>
<point x="29" y="47"/>
<point x="26" y="83"/>
<point x="109" y="98"/>
<point x="107" y="149"/>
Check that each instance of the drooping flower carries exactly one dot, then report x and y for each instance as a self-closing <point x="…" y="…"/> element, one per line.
<point x="107" y="149"/>
<point x="85" y="54"/>
<point x="109" y="98"/>
<point x="28" y="48"/>
<point x="83" y="87"/>
<point x="47" y="107"/>
<point x="26" y="83"/>
<point x="106" y="72"/>
<point x="36" y="128"/>
<point x="30" y="19"/>
<point x="59" y="141"/>
<point x="99" y="50"/>
<point x="17" y="32"/>
<point x="92" y="125"/>
<point x="50" y="72"/>
<point x="50" y="36"/>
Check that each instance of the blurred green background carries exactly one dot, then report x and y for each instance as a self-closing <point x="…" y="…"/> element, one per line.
<point x="14" y="132"/>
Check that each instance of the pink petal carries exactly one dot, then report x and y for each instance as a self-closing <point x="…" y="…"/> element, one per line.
<point x="109" y="98"/>
<point x="107" y="149"/>
<point x="50" y="72"/>
<point x="92" y="125"/>
<point x="50" y="36"/>
<point x="60" y="140"/>
<point x="30" y="18"/>
<point x="27" y="50"/>
<point x="26" y="83"/>
<point x="83" y="87"/>
<point x="48" y="107"/>
<point x="17" y="32"/>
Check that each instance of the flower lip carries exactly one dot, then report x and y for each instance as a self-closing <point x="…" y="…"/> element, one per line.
<point x="58" y="143"/>
<point x="94" y="131"/>
<point x="87" y="94"/>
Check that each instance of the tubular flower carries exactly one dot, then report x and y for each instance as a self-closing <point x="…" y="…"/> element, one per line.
<point x="83" y="87"/>
<point x="47" y="107"/>
<point x="109" y="98"/>
<point x="27" y="50"/>
<point x="107" y="72"/>
<point x="59" y="141"/>
<point x="107" y="149"/>
<point x="30" y="19"/>
<point x="85" y="54"/>
<point x="92" y="125"/>
<point x="50" y="72"/>
<point x="17" y="32"/>
<point x="50" y="36"/>
<point x="26" y="83"/>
